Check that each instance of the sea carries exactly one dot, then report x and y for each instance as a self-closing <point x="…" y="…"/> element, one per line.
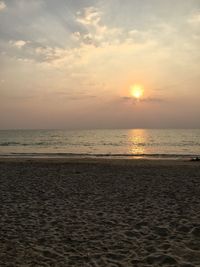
<point x="131" y="143"/>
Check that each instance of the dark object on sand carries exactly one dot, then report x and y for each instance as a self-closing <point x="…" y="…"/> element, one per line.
<point x="195" y="159"/>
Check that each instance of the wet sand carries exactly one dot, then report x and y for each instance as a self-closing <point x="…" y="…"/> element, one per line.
<point x="70" y="212"/>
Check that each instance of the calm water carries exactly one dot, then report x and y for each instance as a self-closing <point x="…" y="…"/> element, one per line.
<point x="153" y="143"/>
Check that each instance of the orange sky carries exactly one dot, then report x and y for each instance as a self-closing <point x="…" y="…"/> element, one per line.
<point x="71" y="64"/>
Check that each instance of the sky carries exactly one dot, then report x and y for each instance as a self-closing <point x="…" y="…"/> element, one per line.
<point x="70" y="64"/>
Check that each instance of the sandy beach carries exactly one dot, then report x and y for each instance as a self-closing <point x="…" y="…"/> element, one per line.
<point x="98" y="212"/>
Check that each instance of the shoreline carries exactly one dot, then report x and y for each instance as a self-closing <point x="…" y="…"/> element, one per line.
<point x="168" y="157"/>
<point x="100" y="160"/>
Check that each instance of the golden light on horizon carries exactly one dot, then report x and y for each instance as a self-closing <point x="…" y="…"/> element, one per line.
<point x="137" y="91"/>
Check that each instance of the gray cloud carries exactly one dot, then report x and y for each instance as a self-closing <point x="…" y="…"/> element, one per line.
<point x="53" y="24"/>
<point x="154" y="100"/>
<point x="134" y="101"/>
<point x="79" y="96"/>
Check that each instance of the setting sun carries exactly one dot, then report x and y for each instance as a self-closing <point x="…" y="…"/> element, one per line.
<point x="137" y="91"/>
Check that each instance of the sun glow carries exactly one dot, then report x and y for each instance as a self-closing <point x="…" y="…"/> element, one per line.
<point x="137" y="91"/>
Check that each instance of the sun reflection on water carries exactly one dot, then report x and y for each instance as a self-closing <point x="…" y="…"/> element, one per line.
<point x="138" y="140"/>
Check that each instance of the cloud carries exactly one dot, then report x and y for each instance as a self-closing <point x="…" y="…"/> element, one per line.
<point x="94" y="30"/>
<point x="93" y="40"/>
<point x="127" y="99"/>
<point x="55" y="57"/>
<point x="143" y="100"/>
<point x="77" y="98"/>
<point x="19" y="44"/>
<point x="66" y="95"/>
<point x="89" y="16"/>
<point x="195" y="19"/>
<point x="2" y="5"/>
<point x="153" y="100"/>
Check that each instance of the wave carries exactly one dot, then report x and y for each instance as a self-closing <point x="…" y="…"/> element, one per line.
<point x="93" y="155"/>
<point x="25" y="144"/>
<point x="10" y="143"/>
<point x="87" y="144"/>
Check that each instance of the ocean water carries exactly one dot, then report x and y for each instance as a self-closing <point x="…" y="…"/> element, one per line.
<point x="101" y="143"/>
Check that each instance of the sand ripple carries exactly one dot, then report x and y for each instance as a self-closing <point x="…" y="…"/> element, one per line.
<point x="97" y="213"/>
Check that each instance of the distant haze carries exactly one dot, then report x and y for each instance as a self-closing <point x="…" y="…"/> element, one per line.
<point x="70" y="64"/>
